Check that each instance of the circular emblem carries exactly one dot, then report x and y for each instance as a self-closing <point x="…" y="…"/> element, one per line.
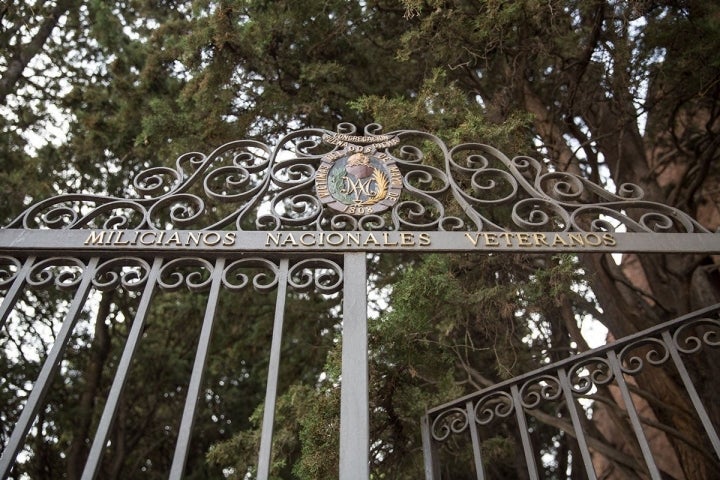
<point x="358" y="181"/>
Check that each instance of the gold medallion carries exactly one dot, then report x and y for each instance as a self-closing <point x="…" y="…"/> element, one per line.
<point x="358" y="180"/>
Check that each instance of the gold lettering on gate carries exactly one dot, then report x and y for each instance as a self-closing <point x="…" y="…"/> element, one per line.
<point x="570" y="241"/>
<point x="540" y="240"/>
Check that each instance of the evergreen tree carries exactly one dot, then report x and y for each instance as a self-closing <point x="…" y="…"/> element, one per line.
<point x="619" y="92"/>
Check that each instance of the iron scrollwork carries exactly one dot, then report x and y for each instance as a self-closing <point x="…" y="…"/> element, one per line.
<point x="9" y="268"/>
<point x="495" y="406"/>
<point x="195" y="274"/>
<point x="316" y="274"/>
<point x="588" y="374"/>
<point x="488" y="409"/>
<point x="585" y="373"/>
<point x="261" y="273"/>
<point x="127" y="272"/>
<point x="690" y="337"/>
<point x="64" y="272"/>
<point x="651" y="350"/>
<point x="545" y="388"/>
<point x="539" y="199"/>
<point x="449" y="422"/>
<point x="316" y="179"/>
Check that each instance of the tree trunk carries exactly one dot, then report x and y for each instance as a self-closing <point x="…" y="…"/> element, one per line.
<point x="99" y="352"/>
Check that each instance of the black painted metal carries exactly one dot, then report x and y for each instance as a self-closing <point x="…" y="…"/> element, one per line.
<point x="111" y="405"/>
<point x="305" y="212"/>
<point x="249" y="186"/>
<point x="52" y="363"/>
<point x="571" y="379"/>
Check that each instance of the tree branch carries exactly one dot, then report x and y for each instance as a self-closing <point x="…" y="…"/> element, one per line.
<point x="26" y="52"/>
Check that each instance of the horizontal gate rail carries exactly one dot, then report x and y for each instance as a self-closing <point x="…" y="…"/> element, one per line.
<point x="22" y="243"/>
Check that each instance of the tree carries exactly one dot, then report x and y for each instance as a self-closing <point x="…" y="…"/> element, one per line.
<point x="590" y="73"/>
<point x="618" y="92"/>
<point x="177" y="70"/>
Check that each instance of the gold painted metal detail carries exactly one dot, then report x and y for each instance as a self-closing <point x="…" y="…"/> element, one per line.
<point x="357" y="179"/>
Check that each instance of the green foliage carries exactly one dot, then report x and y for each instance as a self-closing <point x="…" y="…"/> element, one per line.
<point x="442" y="107"/>
<point x="628" y="90"/>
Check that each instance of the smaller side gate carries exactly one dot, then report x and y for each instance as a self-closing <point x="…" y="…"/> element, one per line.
<point x="554" y="394"/>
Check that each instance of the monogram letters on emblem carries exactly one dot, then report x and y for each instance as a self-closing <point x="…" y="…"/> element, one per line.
<point x="357" y="179"/>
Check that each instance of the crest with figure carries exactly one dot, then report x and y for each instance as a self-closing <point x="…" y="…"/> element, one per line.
<point x="357" y="179"/>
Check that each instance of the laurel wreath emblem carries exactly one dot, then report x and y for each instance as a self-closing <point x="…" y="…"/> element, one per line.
<point x="382" y="183"/>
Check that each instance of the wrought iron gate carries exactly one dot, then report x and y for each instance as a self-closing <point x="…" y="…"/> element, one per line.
<point x="561" y="384"/>
<point x="303" y="215"/>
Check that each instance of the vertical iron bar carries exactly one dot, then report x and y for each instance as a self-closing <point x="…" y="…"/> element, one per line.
<point x="193" y="395"/>
<point x="524" y="434"/>
<point x="15" y="290"/>
<point x="429" y="459"/>
<point x="634" y="417"/>
<point x="273" y="371"/>
<point x="577" y="426"/>
<point x="354" y="410"/>
<point x="692" y="392"/>
<point x="472" y="425"/>
<point x="111" y="405"/>
<point x="49" y="368"/>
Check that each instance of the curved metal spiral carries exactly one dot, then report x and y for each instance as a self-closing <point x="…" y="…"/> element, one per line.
<point x="543" y="388"/>
<point x="260" y="272"/>
<point x="316" y="274"/>
<point x="539" y="215"/>
<point x="589" y="373"/>
<point x="691" y="337"/>
<point x="492" y="407"/>
<point x="129" y="273"/>
<point x="64" y="272"/>
<point x="9" y="268"/>
<point x="155" y="181"/>
<point x="451" y="421"/>
<point x="179" y="211"/>
<point x="194" y="274"/>
<point x="653" y="350"/>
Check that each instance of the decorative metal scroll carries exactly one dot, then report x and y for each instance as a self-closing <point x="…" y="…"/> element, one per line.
<point x="552" y="393"/>
<point x="319" y="180"/>
<point x="194" y="274"/>
<point x="235" y="218"/>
